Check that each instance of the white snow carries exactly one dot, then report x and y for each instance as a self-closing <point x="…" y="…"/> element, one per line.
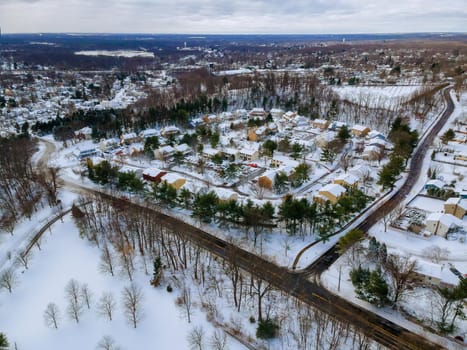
<point x="116" y="53"/>
<point x="65" y="256"/>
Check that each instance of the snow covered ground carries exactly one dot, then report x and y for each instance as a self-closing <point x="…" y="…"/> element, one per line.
<point x="116" y="53"/>
<point x="376" y="96"/>
<point x="65" y="256"/>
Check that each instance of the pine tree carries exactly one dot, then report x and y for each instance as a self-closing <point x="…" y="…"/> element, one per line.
<point x="3" y="342"/>
<point x="157" y="272"/>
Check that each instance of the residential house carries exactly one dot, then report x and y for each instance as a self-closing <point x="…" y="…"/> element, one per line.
<point x="164" y="153"/>
<point x="258" y="113"/>
<point x="209" y="152"/>
<point x="456" y="206"/>
<point x="109" y="144"/>
<point x="346" y="180"/>
<point x="153" y="174"/>
<point x="169" y="131"/>
<point x="279" y="160"/>
<point x="84" y="133"/>
<point x="360" y="130"/>
<point x="437" y="275"/>
<point x="224" y="194"/>
<point x="289" y="116"/>
<point x="210" y="118"/>
<point x="440" y="224"/>
<point x="231" y="154"/>
<point x="372" y="153"/>
<point x="128" y="138"/>
<point x="330" y="192"/>
<point x="257" y="134"/>
<point x="183" y="149"/>
<point x="276" y="112"/>
<point x="241" y="113"/>
<point x="83" y="152"/>
<point x="174" y="180"/>
<point x="148" y="133"/>
<point x="249" y="152"/>
<point x="320" y="124"/>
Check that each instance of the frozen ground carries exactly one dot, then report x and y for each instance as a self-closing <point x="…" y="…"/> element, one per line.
<point x="65" y="256"/>
<point x="376" y="96"/>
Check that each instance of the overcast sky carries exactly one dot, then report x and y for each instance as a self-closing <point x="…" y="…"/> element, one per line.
<point x="233" y="16"/>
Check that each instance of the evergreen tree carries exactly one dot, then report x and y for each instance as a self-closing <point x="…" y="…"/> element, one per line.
<point x="3" y="342"/>
<point x="267" y="329"/>
<point x="157" y="272"/>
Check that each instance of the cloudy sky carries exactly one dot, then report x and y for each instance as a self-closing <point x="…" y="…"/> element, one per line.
<point x="233" y="16"/>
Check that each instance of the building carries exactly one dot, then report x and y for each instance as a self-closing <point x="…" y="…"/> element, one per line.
<point x="174" y="180"/>
<point x="257" y="113"/>
<point x="169" y="131"/>
<point x="456" y="206"/>
<point x="225" y="195"/>
<point x="153" y="174"/>
<point x="249" y="153"/>
<point x="279" y="160"/>
<point x="164" y="153"/>
<point x="129" y="138"/>
<point x="148" y="133"/>
<point x="346" y="180"/>
<point x="440" y="224"/>
<point x="320" y="124"/>
<point x="360" y="130"/>
<point x="83" y="152"/>
<point x="84" y="133"/>
<point x="183" y="149"/>
<point x="437" y="275"/>
<point x="331" y="192"/>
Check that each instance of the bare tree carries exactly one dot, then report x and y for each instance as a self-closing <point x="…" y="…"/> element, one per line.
<point x="107" y="263"/>
<point x="436" y="253"/>
<point x="86" y="295"/>
<point x="185" y="301"/>
<point x="132" y="298"/>
<point x="75" y="306"/>
<point x="402" y="272"/>
<point x="218" y="341"/>
<point x="107" y="343"/>
<point x="107" y="305"/>
<point x="196" y="338"/>
<point x="23" y="260"/>
<point x="52" y="315"/>
<point x="8" y="279"/>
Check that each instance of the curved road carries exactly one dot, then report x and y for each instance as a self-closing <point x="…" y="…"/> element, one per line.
<point x="415" y="168"/>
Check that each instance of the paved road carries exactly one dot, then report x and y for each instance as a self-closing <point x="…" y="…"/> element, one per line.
<point x="415" y="168"/>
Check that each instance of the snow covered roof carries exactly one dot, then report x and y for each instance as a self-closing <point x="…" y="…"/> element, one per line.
<point x="152" y="172"/>
<point x="437" y="271"/>
<point x="182" y="148"/>
<point x="347" y="178"/>
<point x="359" y="127"/>
<point x="85" y="131"/>
<point x="224" y="194"/>
<point x="129" y="136"/>
<point x="210" y="151"/>
<point x="166" y="149"/>
<point x="453" y="200"/>
<point x="285" y="160"/>
<point x="335" y="189"/>
<point x="171" y="178"/>
<point x="149" y="133"/>
<point x="447" y="220"/>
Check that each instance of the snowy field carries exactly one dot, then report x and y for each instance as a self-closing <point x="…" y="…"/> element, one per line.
<point x="65" y="256"/>
<point x="116" y="53"/>
<point x="376" y="96"/>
